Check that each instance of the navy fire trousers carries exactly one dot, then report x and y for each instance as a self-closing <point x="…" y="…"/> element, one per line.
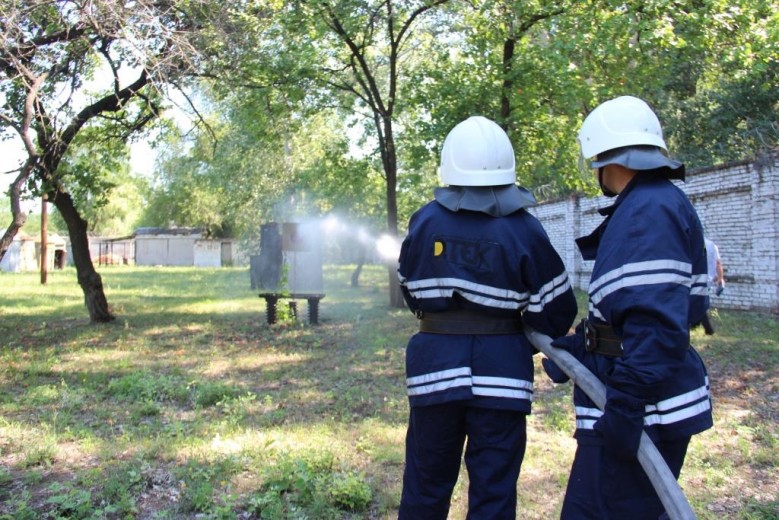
<point x="603" y="487"/>
<point x="494" y="451"/>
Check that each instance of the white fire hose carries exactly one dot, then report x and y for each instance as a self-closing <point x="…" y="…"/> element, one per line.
<point x="656" y="469"/>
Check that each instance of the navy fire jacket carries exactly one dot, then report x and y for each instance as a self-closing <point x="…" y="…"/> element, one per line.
<point x="505" y="267"/>
<point x="649" y="284"/>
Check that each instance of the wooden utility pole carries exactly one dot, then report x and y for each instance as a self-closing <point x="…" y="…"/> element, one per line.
<point x="44" y="236"/>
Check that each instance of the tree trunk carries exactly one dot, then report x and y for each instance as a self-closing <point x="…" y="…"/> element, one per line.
<point x="508" y="83"/>
<point x="360" y="264"/>
<point x="356" y="274"/>
<point x="16" y="224"/>
<point x="391" y="171"/>
<point x="18" y="216"/>
<point x="90" y="281"/>
<point x="396" y="297"/>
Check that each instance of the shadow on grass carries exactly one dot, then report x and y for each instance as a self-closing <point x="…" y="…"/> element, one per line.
<point x="66" y="371"/>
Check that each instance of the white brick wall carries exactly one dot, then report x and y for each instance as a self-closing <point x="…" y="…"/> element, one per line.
<point x="738" y="204"/>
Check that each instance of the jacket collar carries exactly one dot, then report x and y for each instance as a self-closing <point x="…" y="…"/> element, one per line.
<point x="496" y="201"/>
<point x="588" y="245"/>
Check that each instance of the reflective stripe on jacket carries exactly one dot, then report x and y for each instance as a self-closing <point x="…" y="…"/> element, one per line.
<point x="649" y="283"/>
<point x="504" y="267"/>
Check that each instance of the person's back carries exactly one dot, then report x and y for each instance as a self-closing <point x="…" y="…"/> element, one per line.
<point x="471" y="261"/>
<point x="475" y="268"/>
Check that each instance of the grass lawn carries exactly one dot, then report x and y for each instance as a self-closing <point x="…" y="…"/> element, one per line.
<point x="190" y="405"/>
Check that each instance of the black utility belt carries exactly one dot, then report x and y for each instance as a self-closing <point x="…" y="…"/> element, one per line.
<point x="601" y="339"/>
<point x="467" y="322"/>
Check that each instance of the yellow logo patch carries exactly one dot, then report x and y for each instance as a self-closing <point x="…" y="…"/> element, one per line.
<point x="438" y="248"/>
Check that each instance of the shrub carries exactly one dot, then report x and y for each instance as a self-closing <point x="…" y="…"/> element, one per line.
<point x="350" y="491"/>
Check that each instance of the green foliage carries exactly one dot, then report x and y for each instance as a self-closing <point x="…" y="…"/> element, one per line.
<point x="73" y="102"/>
<point x="202" y="478"/>
<point x="119" y="489"/>
<point x="350" y="491"/>
<point x="119" y="210"/>
<point x="33" y="224"/>
<point x="40" y="455"/>
<point x="760" y="511"/>
<point x="298" y="143"/>
<point x="67" y="502"/>
<point x="225" y="185"/>
<point x="92" y="167"/>
<point x="290" y="128"/>
<point x="147" y="387"/>
<point x="309" y="487"/>
<point x="19" y="508"/>
<point x="210" y="393"/>
<point x="5" y="477"/>
<point x="237" y="409"/>
<point x="146" y="409"/>
<point x="299" y="171"/>
<point x="543" y="89"/>
<point x="707" y="69"/>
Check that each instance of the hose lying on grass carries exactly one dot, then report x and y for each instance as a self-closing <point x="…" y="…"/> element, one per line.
<point x="656" y="469"/>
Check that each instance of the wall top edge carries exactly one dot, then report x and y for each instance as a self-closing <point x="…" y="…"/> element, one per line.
<point x="766" y="159"/>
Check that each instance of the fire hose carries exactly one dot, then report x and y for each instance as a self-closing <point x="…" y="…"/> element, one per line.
<point x="664" y="482"/>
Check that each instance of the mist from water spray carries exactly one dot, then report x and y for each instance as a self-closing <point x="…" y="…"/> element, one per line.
<point x="388" y="247"/>
<point x="384" y="245"/>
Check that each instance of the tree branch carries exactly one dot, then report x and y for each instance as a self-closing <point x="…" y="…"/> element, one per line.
<point x="362" y="72"/>
<point x="200" y="118"/>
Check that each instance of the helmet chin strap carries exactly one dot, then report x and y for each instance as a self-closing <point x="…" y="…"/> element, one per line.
<point x="607" y="192"/>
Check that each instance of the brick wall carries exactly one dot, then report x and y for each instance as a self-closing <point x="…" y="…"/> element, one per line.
<point x="738" y="204"/>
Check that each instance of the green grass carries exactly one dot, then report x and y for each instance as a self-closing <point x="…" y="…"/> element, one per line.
<point x="190" y="405"/>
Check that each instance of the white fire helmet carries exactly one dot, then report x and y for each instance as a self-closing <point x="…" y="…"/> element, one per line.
<point x="620" y="122"/>
<point x="477" y="152"/>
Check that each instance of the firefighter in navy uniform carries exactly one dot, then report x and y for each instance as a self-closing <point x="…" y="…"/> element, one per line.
<point x="648" y="285"/>
<point x="474" y="267"/>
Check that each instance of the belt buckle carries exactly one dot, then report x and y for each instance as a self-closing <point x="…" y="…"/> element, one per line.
<point x="590" y="336"/>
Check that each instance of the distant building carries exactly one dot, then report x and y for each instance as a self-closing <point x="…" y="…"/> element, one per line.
<point x="24" y="254"/>
<point x="112" y="251"/>
<point x="182" y="247"/>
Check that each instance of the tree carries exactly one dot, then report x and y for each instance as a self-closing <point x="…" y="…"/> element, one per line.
<point x="363" y="44"/>
<point x="536" y="67"/>
<point x="227" y="176"/>
<point x="346" y="55"/>
<point x="721" y="101"/>
<point x="500" y="60"/>
<point x="96" y="173"/>
<point x="706" y="68"/>
<point x="52" y="56"/>
<point x="262" y="160"/>
<point x="539" y="67"/>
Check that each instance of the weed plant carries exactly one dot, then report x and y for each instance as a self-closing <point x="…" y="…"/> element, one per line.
<point x="190" y="405"/>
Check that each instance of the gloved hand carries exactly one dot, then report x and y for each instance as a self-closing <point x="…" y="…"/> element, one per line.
<point x="573" y="343"/>
<point x="569" y="342"/>
<point x="554" y="372"/>
<point x="621" y="424"/>
<point x="720" y="290"/>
